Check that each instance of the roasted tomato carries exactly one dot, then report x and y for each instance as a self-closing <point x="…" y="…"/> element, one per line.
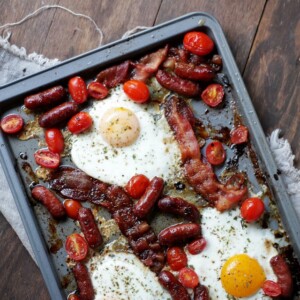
<point x="239" y="135"/>
<point x="12" y="123"/>
<point x="76" y="247"/>
<point x="271" y="288"/>
<point x="78" y="89"/>
<point x="136" y="90"/>
<point x="137" y="185"/>
<point x="197" y="246"/>
<point x="215" y="153"/>
<point x="176" y="258"/>
<point x="55" y="140"/>
<point x="252" y="209"/>
<point x="47" y="159"/>
<point x="198" y="43"/>
<point x="80" y="122"/>
<point x="97" y="90"/>
<point x="188" y="278"/>
<point x="72" y="208"/>
<point x="213" y="95"/>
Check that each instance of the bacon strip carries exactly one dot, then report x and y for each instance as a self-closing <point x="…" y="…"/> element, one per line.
<point x="200" y="174"/>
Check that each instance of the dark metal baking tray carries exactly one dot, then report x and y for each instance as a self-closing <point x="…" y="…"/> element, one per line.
<point x="11" y="100"/>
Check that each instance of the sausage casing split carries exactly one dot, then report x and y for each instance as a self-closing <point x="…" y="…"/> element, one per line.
<point x="149" y="198"/>
<point x="49" y="200"/>
<point x="89" y="227"/>
<point x="58" y="114"/>
<point x="179" y="233"/>
<point x="49" y="97"/>
<point x="175" y="288"/>
<point x="201" y="292"/>
<point x="84" y="283"/>
<point x="180" y="207"/>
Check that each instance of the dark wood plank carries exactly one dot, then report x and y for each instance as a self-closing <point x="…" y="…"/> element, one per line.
<point x="239" y="20"/>
<point x="272" y="73"/>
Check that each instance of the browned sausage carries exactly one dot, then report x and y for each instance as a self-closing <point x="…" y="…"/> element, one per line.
<point x="84" y="283"/>
<point x="48" y="199"/>
<point x="145" y="204"/>
<point x="58" y="114"/>
<point x="283" y="273"/>
<point x="180" y="207"/>
<point x="201" y="292"/>
<point x="89" y="227"/>
<point x="174" y="287"/>
<point x="202" y="72"/>
<point x="176" y="84"/>
<point x="50" y="97"/>
<point x="178" y="234"/>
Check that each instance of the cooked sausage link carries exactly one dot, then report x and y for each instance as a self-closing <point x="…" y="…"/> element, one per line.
<point x="202" y="72"/>
<point x="145" y="204"/>
<point x="175" y="288"/>
<point x="49" y="200"/>
<point x="178" y="234"/>
<point x="49" y="97"/>
<point x="201" y="292"/>
<point x="84" y="283"/>
<point x="58" y="114"/>
<point x="180" y="207"/>
<point x="89" y="227"/>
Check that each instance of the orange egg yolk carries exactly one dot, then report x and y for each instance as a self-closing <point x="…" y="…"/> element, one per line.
<point x="119" y="127"/>
<point x="242" y="276"/>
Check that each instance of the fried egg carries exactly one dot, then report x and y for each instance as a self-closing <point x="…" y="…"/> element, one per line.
<point x="126" y="139"/>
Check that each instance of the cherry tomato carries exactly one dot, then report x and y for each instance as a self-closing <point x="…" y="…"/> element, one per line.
<point x="271" y="288"/>
<point x="73" y="297"/>
<point x="188" y="278"/>
<point x="213" y="95"/>
<point x="215" y="153"/>
<point x="252" y="209"/>
<point x="78" y="90"/>
<point x="97" y="90"/>
<point x="197" y="246"/>
<point x="72" y="207"/>
<point x="176" y="258"/>
<point x="47" y="159"/>
<point x="54" y="140"/>
<point x="198" y="43"/>
<point x="76" y="247"/>
<point x="137" y="185"/>
<point x="239" y="135"/>
<point x="80" y="122"/>
<point x="136" y="90"/>
<point x="12" y="123"/>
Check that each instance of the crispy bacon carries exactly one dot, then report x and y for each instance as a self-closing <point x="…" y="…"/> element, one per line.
<point x="200" y="174"/>
<point x="149" y="64"/>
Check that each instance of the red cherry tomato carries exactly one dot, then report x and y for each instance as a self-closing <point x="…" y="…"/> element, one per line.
<point x="72" y="207"/>
<point x="136" y="90"/>
<point x="12" y="123"/>
<point x="252" y="209"/>
<point x="197" y="246"/>
<point x="176" y="258"/>
<point x="239" y="135"/>
<point x="198" y="43"/>
<point x="80" y="122"/>
<point x="271" y="288"/>
<point x="78" y="90"/>
<point x="54" y="140"/>
<point x="213" y="95"/>
<point x="215" y="153"/>
<point x="137" y="185"/>
<point x="188" y="278"/>
<point x="97" y="90"/>
<point x="76" y="247"/>
<point x="47" y="159"/>
<point x="73" y="297"/>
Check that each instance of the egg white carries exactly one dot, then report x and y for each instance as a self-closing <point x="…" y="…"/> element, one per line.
<point x="154" y="153"/>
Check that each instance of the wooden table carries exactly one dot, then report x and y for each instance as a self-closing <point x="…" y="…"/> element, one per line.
<point x="263" y="35"/>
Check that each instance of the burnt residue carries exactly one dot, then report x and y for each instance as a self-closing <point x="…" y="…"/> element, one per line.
<point x="55" y="243"/>
<point x="179" y="186"/>
<point x="23" y="155"/>
<point x="31" y="175"/>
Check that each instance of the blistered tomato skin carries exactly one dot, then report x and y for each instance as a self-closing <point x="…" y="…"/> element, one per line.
<point x="12" y="123"/>
<point x="137" y="185"/>
<point x="55" y="140"/>
<point x="176" y="258"/>
<point x="47" y="159"/>
<point x="188" y="278"/>
<point x="136" y="90"/>
<point x="252" y="209"/>
<point x="239" y="135"/>
<point x="80" y="122"/>
<point x="196" y="246"/>
<point x="72" y="208"/>
<point x="198" y="43"/>
<point x="76" y="247"/>
<point x="271" y="288"/>
<point x="215" y="153"/>
<point x="78" y="89"/>
<point x="213" y="95"/>
<point x="97" y="90"/>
